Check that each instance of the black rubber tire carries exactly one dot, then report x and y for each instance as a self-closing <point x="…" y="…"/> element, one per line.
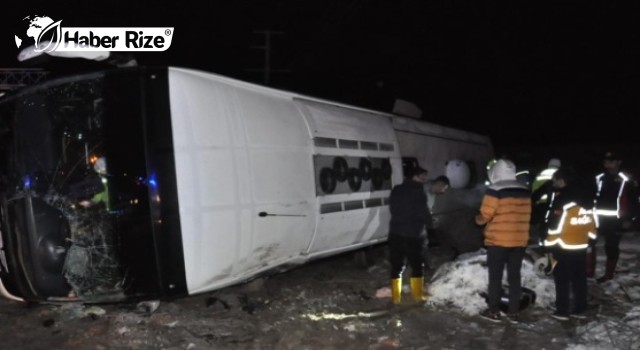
<point x="365" y="169"/>
<point x="354" y="179"/>
<point x="327" y="180"/>
<point x="340" y="168"/>
<point x="386" y="169"/>
<point x="377" y="179"/>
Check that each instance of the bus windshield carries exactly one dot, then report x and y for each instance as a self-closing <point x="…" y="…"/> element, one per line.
<point x="73" y="176"/>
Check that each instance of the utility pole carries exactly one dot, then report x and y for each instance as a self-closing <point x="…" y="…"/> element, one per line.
<point x="267" y="48"/>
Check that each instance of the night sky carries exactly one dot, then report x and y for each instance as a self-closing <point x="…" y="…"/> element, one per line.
<point x="564" y="74"/>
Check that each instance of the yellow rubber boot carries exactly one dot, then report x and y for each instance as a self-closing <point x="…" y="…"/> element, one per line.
<point x="396" y="290"/>
<point x="417" y="289"/>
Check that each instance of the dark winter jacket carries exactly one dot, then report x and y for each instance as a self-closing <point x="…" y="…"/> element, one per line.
<point x="408" y="206"/>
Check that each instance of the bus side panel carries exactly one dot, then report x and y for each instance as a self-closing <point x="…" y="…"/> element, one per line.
<point x="281" y="175"/>
<point x="351" y="218"/>
<point x="240" y="152"/>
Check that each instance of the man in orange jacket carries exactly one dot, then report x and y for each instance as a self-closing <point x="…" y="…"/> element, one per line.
<point x="506" y="212"/>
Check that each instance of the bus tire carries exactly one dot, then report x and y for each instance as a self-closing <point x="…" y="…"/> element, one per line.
<point x="377" y="179"/>
<point x="386" y="169"/>
<point x="365" y="169"/>
<point x="340" y="168"/>
<point x="327" y="180"/>
<point x="354" y="179"/>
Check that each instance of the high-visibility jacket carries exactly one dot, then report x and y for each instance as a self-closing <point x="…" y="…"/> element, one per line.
<point x="543" y="177"/>
<point x="575" y="226"/>
<point x="614" y="198"/>
<point x="541" y="185"/>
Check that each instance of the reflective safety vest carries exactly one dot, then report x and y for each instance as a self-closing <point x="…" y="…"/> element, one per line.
<point x="543" y="177"/>
<point x="574" y="229"/>
<point x="609" y="203"/>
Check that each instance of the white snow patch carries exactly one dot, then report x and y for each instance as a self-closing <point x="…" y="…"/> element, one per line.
<point x="462" y="282"/>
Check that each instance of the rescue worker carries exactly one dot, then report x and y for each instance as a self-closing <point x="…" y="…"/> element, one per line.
<point x="100" y="196"/>
<point x="540" y="191"/>
<point x="545" y="175"/>
<point x="615" y="206"/>
<point x="572" y="226"/>
<point x="407" y="233"/>
<point x="506" y="212"/>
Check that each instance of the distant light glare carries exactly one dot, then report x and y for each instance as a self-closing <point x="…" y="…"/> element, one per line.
<point x="152" y="181"/>
<point x="27" y="183"/>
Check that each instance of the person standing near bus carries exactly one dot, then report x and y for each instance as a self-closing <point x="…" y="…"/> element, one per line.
<point x="407" y="233"/>
<point x="506" y="212"/>
<point x="541" y="189"/>
<point x="544" y="178"/>
<point x="615" y="206"/>
<point x="571" y="224"/>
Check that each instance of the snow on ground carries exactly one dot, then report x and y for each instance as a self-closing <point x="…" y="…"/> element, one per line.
<point x="461" y="283"/>
<point x="615" y="317"/>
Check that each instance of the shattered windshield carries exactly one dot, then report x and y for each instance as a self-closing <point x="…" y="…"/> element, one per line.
<point x="58" y="164"/>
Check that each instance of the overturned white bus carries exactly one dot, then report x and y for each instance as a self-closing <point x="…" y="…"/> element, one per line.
<point x="161" y="182"/>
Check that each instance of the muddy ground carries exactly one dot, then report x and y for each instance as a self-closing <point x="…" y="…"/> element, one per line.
<point x="328" y="304"/>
